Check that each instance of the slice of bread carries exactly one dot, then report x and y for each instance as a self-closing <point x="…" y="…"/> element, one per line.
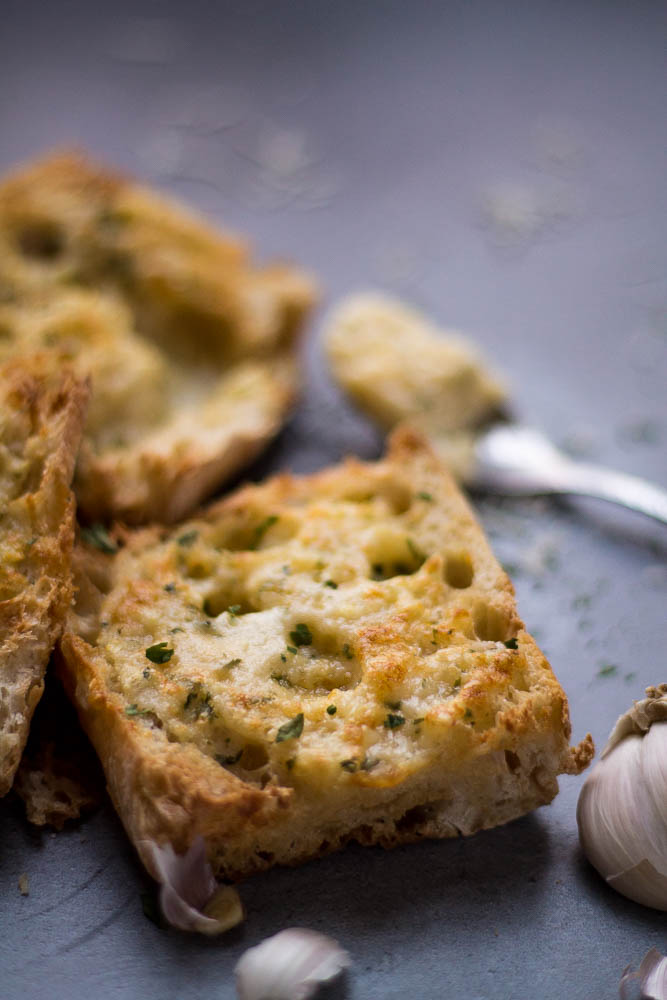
<point x="191" y="348"/>
<point x="41" y="420"/>
<point x="397" y="366"/>
<point x="315" y="660"/>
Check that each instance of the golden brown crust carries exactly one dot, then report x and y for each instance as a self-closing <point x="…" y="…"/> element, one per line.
<point x="272" y="609"/>
<point x="41" y="420"/>
<point x="192" y="348"/>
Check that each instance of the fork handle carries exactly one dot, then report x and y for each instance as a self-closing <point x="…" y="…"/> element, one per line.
<point x="618" y="487"/>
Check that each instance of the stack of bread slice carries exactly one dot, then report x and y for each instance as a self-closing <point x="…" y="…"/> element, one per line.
<point x="309" y="661"/>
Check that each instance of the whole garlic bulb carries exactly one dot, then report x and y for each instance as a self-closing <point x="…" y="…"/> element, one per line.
<point x="622" y="809"/>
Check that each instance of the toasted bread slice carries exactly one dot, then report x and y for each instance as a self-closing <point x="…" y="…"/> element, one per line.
<point x="191" y="348"/>
<point x="397" y="366"/>
<point x="316" y="660"/>
<point x="41" y="420"/>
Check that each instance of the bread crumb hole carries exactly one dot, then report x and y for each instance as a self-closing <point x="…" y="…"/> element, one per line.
<point x="459" y="572"/>
<point x="41" y="238"/>
<point x="253" y="757"/>
<point x="490" y="624"/>
<point x="512" y="761"/>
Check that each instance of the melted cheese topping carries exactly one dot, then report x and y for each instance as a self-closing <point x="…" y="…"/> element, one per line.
<point x="340" y="631"/>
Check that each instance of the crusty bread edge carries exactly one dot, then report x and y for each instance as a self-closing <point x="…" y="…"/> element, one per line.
<point x="33" y="639"/>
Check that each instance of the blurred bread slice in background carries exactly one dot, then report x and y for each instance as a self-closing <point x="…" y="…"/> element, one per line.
<point x="191" y="347"/>
<point x="398" y="366"/>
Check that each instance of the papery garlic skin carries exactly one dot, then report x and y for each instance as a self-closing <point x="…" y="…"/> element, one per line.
<point x="291" y="965"/>
<point x="190" y="897"/>
<point x="622" y="809"/>
<point x="651" y="976"/>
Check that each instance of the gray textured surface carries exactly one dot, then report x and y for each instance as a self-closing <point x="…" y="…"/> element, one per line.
<point x="503" y="167"/>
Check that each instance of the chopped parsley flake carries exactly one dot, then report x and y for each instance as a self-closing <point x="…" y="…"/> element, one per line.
<point x="349" y="765"/>
<point x="135" y="710"/>
<point x="98" y="536"/>
<point x="417" y="722"/>
<point x="283" y="658"/>
<point x="301" y="635"/>
<point x="292" y="649"/>
<point x="423" y="495"/>
<point x="393" y="721"/>
<point x="232" y="663"/>
<point x="147" y="672"/>
<point x="290" y="730"/>
<point x="188" y="538"/>
<point x="415" y="551"/>
<point x="347" y="652"/>
<point x="331" y="583"/>
<point x="331" y="709"/>
<point x="262" y="529"/>
<point x="608" y="670"/>
<point x="457" y="683"/>
<point x="511" y="643"/>
<point x="199" y="702"/>
<point x="159" y="653"/>
<point x="233" y="610"/>
<point x="170" y="588"/>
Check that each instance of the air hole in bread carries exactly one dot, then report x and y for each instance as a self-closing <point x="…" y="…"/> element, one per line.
<point x="392" y="553"/>
<point x="490" y="623"/>
<point x="42" y="239"/>
<point x="512" y="760"/>
<point x="226" y="600"/>
<point x="459" y="572"/>
<point x="254" y="757"/>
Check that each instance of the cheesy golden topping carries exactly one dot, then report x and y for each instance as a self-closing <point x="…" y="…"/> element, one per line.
<point x="339" y="629"/>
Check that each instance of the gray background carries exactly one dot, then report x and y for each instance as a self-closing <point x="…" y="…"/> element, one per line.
<point x="501" y="166"/>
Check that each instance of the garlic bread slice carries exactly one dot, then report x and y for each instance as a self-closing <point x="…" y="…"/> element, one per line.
<point x="191" y="347"/>
<point x="41" y="419"/>
<point x="315" y="660"/>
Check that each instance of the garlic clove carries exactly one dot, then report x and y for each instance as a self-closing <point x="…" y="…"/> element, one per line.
<point x="622" y="809"/>
<point x="190" y="897"/>
<point x="651" y="975"/>
<point x="291" y="965"/>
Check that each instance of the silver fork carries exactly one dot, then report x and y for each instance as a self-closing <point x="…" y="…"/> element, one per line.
<point x="516" y="460"/>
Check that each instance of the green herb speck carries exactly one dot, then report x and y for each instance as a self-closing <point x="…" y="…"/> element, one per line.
<point x="292" y="649"/>
<point x="608" y="670"/>
<point x="170" y="588"/>
<point x="188" y="538"/>
<point x="147" y="672"/>
<point x="393" y="721"/>
<point x="262" y="528"/>
<point x="511" y="643"/>
<point x="98" y="536"/>
<point x="331" y="583"/>
<point x="159" y="653"/>
<point x="331" y="709"/>
<point x="347" y="652"/>
<point x="132" y="710"/>
<point x="233" y="610"/>
<point x="290" y="730"/>
<point x="349" y="765"/>
<point x="423" y="495"/>
<point x="301" y="635"/>
<point x="232" y="663"/>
